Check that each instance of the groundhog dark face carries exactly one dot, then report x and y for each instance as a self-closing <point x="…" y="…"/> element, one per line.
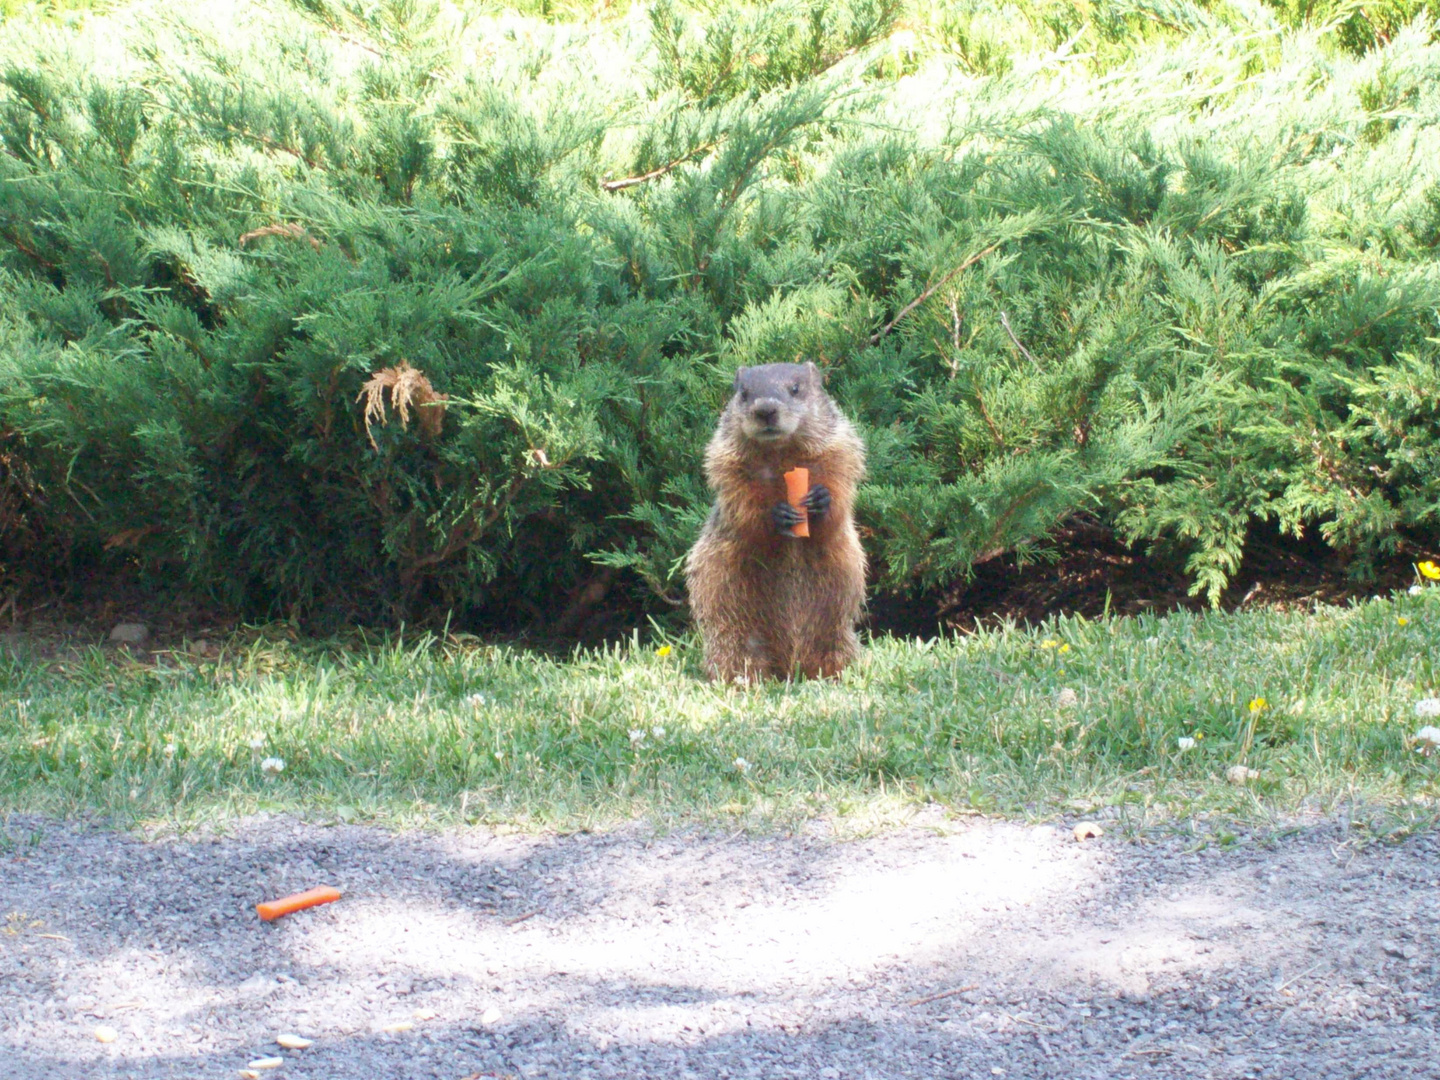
<point x="771" y="400"/>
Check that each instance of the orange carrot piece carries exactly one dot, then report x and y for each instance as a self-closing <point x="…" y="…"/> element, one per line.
<point x="273" y="909"/>
<point x="797" y="483"/>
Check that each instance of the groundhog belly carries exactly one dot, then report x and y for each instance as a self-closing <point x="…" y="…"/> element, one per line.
<point x="813" y="592"/>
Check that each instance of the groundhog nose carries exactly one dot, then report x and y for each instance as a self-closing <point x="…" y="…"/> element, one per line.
<point x="766" y="412"/>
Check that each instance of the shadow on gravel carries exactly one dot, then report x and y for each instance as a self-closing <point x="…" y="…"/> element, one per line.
<point x="956" y="951"/>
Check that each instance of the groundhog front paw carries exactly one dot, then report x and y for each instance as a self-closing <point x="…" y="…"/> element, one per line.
<point x="817" y="500"/>
<point x="785" y="517"/>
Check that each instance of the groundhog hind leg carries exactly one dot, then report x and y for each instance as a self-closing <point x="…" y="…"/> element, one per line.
<point x="730" y="612"/>
<point x="730" y="657"/>
<point x="827" y="606"/>
<point x="823" y="657"/>
<point x="828" y="659"/>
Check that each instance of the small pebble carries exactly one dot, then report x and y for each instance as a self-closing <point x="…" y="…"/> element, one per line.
<point x="1240" y="774"/>
<point x="106" y="1034"/>
<point x="490" y="1016"/>
<point x="1088" y="830"/>
<point x="293" y="1042"/>
<point x="425" y="1014"/>
<point x="267" y="1063"/>
<point x="396" y="1028"/>
<point x="249" y="1074"/>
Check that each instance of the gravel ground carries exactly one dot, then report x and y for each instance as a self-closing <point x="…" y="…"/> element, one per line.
<point x="947" y="949"/>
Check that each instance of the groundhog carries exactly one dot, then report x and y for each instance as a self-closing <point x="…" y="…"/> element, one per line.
<point x="768" y="603"/>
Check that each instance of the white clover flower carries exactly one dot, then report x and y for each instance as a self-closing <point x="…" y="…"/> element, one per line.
<point x="499" y="755"/>
<point x="477" y="701"/>
<point x="658" y="731"/>
<point x="741" y="765"/>
<point x="1185" y="742"/>
<point x="1427" y="739"/>
<point x="272" y="766"/>
<point x="1415" y="590"/>
<point x="169" y="749"/>
<point x="1427" y="707"/>
<point x="257" y="742"/>
<point x="636" y="736"/>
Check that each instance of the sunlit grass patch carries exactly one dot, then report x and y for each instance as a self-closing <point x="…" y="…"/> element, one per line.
<point x="1143" y="716"/>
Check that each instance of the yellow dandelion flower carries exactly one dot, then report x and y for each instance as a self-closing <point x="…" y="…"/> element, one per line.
<point x="1257" y="704"/>
<point x="1049" y="643"/>
<point x="663" y="650"/>
<point x="1065" y="648"/>
<point x="1403" y="621"/>
<point x="1430" y="569"/>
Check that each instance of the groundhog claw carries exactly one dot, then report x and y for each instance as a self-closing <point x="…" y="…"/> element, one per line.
<point x="785" y="517"/>
<point x="817" y="500"/>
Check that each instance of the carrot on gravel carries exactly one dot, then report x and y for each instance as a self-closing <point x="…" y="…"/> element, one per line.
<point x="273" y="909"/>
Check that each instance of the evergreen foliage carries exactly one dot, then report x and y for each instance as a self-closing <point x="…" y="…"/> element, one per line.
<point x="1169" y="264"/>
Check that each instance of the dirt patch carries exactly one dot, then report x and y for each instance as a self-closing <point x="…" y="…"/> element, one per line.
<point x="1092" y="572"/>
<point x="951" y="948"/>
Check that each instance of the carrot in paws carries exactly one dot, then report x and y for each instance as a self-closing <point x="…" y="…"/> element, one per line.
<point x="797" y="485"/>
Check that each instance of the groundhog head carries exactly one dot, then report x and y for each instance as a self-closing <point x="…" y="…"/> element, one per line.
<point x="772" y="400"/>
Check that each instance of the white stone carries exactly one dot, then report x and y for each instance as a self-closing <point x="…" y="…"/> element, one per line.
<point x="130" y="633"/>
<point x="258" y="984"/>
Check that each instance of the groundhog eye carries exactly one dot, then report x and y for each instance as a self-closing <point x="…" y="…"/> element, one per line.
<point x="795" y="390"/>
<point x="744" y="395"/>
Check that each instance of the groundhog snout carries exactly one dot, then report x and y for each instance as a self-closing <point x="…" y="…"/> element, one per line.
<point x="768" y="418"/>
<point x="767" y="412"/>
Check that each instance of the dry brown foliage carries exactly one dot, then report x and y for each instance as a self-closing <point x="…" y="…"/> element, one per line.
<point x="284" y="228"/>
<point x="408" y="386"/>
<point x="17" y="495"/>
<point x="128" y="538"/>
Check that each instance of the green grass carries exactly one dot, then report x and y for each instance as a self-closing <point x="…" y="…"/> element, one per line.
<point x="391" y="732"/>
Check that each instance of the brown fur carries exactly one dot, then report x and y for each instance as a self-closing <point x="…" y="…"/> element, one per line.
<point x="767" y="604"/>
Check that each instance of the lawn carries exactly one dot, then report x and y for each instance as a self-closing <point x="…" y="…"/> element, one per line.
<point x="1073" y="717"/>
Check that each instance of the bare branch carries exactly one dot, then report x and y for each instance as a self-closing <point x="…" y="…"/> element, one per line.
<point x="930" y="291"/>
<point x="284" y="228"/>
<point x="1005" y="322"/>
<point x="655" y="174"/>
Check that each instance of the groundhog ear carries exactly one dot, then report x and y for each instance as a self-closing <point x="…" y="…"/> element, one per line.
<point x="817" y="378"/>
<point x="735" y="388"/>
